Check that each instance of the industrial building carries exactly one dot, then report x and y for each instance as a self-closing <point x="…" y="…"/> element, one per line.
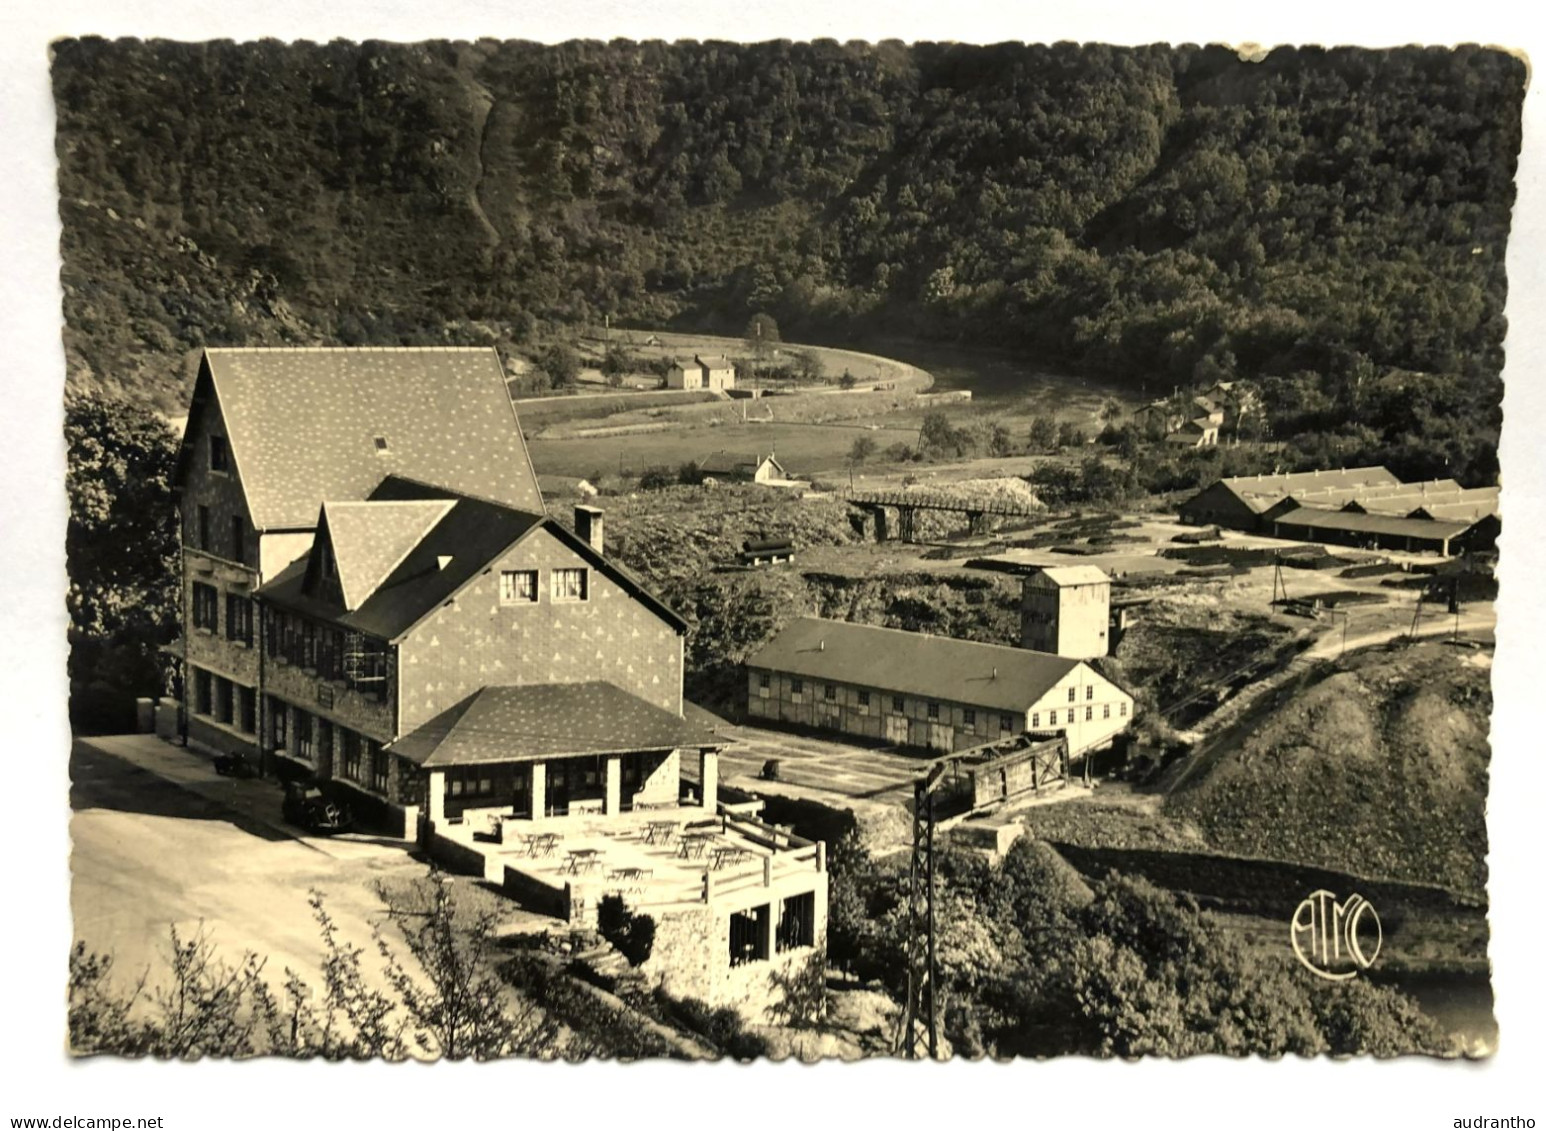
<point x="933" y="692"/>
<point x="1367" y="507"/>
<point x="1066" y="610"/>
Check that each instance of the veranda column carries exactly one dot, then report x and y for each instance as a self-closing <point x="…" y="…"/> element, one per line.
<point x="614" y="803"/>
<point x="539" y="790"/>
<point x="437" y="798"/>
<point x="708" y="779"/>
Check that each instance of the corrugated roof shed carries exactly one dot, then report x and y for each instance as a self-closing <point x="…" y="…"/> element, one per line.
<point x="312" y="424"/>
<point x="1316" y="518"/>
<point x="913" y="663"/>
<point x="1261" y="491"/>
<point x="542" y="721"/>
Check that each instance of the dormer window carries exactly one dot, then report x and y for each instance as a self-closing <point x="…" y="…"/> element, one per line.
<point x="381" y="444"/>
<point x="219" y="455"/>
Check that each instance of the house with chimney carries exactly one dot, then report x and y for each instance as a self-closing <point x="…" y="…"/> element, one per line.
<point x="376" y="598"/>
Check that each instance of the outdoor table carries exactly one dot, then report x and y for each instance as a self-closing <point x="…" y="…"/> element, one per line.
<point x="542" y="844"/>
<point x="694" y="844"/>
<point x="581" y="859"/>
<point x="729" y="854"/>
<point x="661" y="832"/>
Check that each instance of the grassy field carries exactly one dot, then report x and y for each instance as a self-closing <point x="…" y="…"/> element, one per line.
<point x="812" y="433"/>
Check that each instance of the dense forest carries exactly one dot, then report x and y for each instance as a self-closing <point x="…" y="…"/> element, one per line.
<point x="1159" y="214"/>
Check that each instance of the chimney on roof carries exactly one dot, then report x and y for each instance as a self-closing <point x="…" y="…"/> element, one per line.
<point x="995" y="673"/>
<point x="821" y="646"/>
<point x="588" y="525"/>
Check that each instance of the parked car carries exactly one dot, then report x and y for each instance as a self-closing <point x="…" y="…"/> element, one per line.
<point x="306" y="806"/>
<point x="234" y="765"/>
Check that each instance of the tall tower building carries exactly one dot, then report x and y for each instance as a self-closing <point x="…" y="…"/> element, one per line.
<point x="1065" y="610"/>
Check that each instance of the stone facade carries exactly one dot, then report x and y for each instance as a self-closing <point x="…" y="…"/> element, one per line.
<point x="692" y="953"/>
<point x="475" y="641"/>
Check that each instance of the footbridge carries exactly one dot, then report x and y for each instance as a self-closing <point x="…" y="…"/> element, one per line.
<point x="907" y="504"/>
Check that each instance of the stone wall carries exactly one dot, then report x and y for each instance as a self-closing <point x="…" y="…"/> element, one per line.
<point x="691" y="956"/>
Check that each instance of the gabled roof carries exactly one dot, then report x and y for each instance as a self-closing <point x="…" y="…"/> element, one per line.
<point x="370" y="539"/>
<point x="311" y="424"/>
<point x="471" y="534"/>
<point x="913" y="663"/>
<point x="726" y="463"/>
<point x="454" y="550"/>
<point x="1260" y="492"/>
<point x="1315" y="518"/>
<point x="1073" y="575"/>
<point x="714" y="361"/>
<point x="542" y="721"/>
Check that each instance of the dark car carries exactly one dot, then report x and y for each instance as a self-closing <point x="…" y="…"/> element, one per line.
<point x="233" y="765"/>
<point x="306" y="806"/>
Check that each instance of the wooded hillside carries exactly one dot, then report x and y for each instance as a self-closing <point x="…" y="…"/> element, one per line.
<point x="1149" y="213"/>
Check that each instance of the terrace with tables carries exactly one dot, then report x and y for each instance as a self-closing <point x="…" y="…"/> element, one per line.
<point x="661" y="858"/>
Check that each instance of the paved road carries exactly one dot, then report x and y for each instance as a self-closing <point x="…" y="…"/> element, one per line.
<point x="151" y="851"/>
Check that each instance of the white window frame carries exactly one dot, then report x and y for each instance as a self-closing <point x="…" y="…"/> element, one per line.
<point x="560" y="584"/>
<point x="510" y="587"/>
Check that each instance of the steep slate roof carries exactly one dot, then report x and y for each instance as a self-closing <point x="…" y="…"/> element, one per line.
<point x="303" y="425"/>
<point x="1315" y="518"/>
<point x="1074" y="575"/>
<point x="370" y="539"/>
<point x="471" y="534"/>
<point x="550" y="720"/>
<point x="913" y="663"/>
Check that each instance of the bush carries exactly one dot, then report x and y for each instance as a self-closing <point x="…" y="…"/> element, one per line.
<point x="632" y="935"/>
<point x="722" y="1028"/>
<point x="657" y="478"/>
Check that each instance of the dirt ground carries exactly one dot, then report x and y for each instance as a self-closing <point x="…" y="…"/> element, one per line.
<point x="160" y="839"/>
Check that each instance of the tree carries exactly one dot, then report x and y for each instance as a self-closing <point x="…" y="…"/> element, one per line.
<point x="1044" y="433"/>
<point x="761" y="335"/>
<point x="936" y="435"/>
<point x="846" y="381"/>
<point x="863" y="448"/>
<point x="561" y="363"/>
<point x="456" y="1005"/>
<point x="808" y="365"/>
<point x="1070" y="435"/>
<point x="121" y="552"/>
<point x="616" y="364"/>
